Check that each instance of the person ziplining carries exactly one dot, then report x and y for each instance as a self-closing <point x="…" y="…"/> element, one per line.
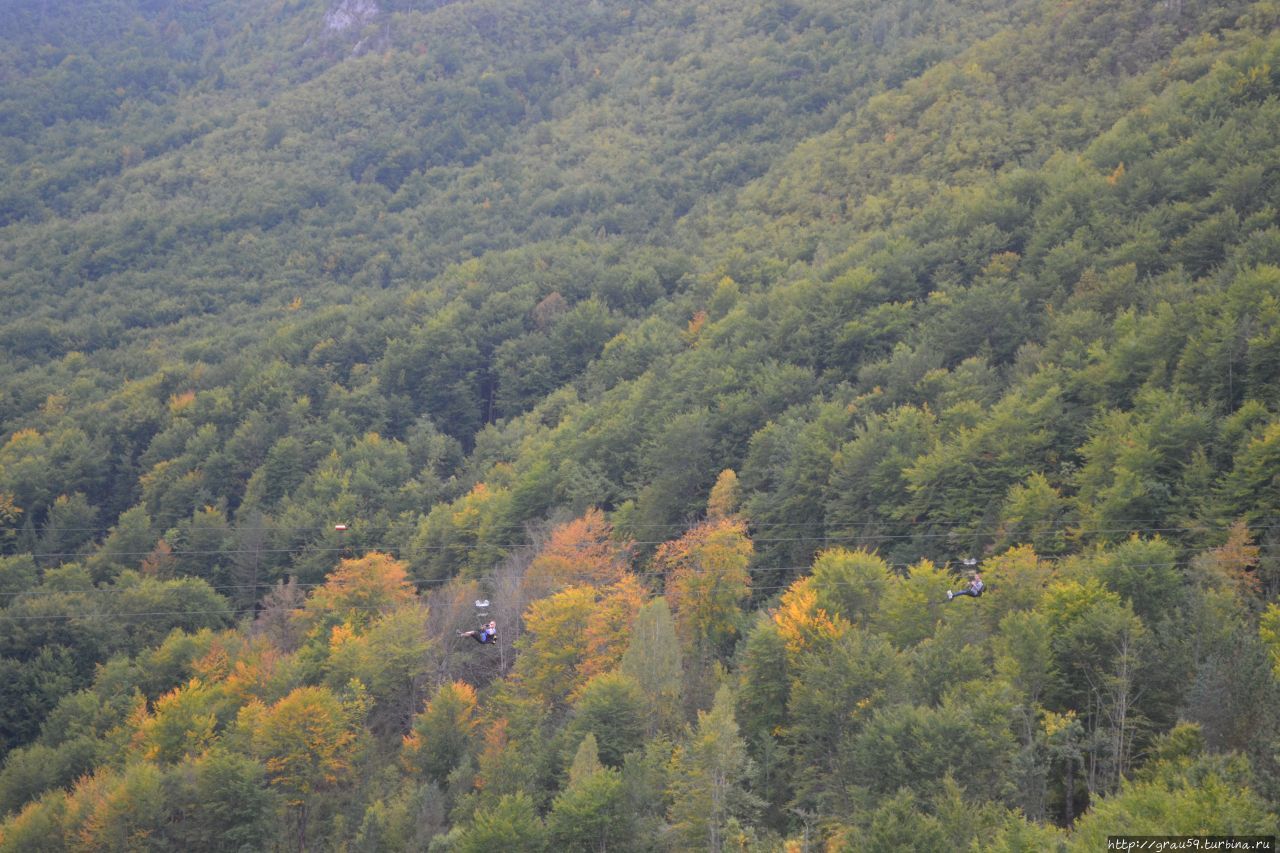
<point x="975" y="588"/>
<point x="487" y="634"/>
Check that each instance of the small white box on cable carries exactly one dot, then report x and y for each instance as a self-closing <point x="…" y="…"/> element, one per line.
<point x="340" y="527"/>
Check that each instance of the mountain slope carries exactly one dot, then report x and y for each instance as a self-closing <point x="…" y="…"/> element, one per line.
<point x="510" y="290"/>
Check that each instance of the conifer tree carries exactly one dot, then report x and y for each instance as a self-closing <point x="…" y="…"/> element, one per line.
<point x="652" y="659"/>
<point x="708" y="776"/>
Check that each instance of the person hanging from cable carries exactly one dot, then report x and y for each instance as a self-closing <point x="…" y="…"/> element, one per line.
<point x="975" y="588"/>
<point x="487" y="634"/>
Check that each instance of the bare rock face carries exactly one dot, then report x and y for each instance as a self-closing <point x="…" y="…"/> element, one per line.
<point x="348" y="14"/>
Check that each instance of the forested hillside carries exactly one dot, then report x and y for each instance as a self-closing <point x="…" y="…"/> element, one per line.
<point x="711" y="343"/>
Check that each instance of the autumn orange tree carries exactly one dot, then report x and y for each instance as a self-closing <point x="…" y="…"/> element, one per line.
<point x="573" y="635"/>
<point x="358" y="591"/>
<point x="607" y="632"/>
<point x="707" y="581"/>
<point x="580" y="552"/>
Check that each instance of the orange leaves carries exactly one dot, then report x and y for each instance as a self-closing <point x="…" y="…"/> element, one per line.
<point x="573" y="635"/>
<point x="160" y="562"/>
<point x="495" y="747"/>
<point x="707" y="579"/>
<point x="608" y="628"/>
<point x="694" y="329"/>
<point x="584" y="601"/>
<point x="179" y="403"/>
<point x="255" y="673"/>
<point x="581" y="552"/>
<point x="1233" y="564"/>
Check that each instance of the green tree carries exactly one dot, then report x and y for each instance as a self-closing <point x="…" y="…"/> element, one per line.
<point x="959" y="484"/>
<point x="1098" y="645"/>
<point x="1025" y="660"/>
<point x="220" y="800"/>
<point x="1135" y="460"/>
<point x="30" y="689"/>
<point x="1248" y="491"/>
<point x="1034" y="513"/>
<point x="850" y="583"/>
<point x="18" y="574"/>
<point x="764" y="682"/>
<point x="912" y="605"/>
<point x="591" y="813"/>
<point x="900" y="822"/>
<point x="1147" y="573"/>
<point x="391" y="658"/>
<point x="511" y="824"/>
<point x="846" y="680"/>
<point x="72" y="523"/>
<point x="128" y="541"/>
<point x="1269" y="629"/>
<point x="653" y="660"/>
<point x="1212" y="795"/>
<point x="708" y="776"/>
<point x="612" y="708"/>
<point x="869" y="477"/>
<point x="443" y="735"/>
<point x="916" y="748"/>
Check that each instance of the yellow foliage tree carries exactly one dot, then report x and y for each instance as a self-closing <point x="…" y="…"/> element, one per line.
<point x="707" y="580"/>
<point x="306" y="743"/>
<point x="552" y="647"/>
<point x="802" y="622"/>
<point x="608" y="629"/>
<point x="573" y="635"/>
<point x="359" y="591"/>
<point x="182" y="724"/>
<point x="723" y="501"/>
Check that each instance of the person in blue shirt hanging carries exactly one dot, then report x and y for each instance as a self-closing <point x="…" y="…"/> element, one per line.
<point x="975" y="588"/>
<point x="487" y="634"/>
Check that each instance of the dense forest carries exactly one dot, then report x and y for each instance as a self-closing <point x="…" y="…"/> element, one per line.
<point x="713" y="344"/>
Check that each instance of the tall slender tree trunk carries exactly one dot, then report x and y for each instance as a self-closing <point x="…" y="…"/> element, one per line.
<point x="1069" y="783"/>
<point x="302" y="828"/>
